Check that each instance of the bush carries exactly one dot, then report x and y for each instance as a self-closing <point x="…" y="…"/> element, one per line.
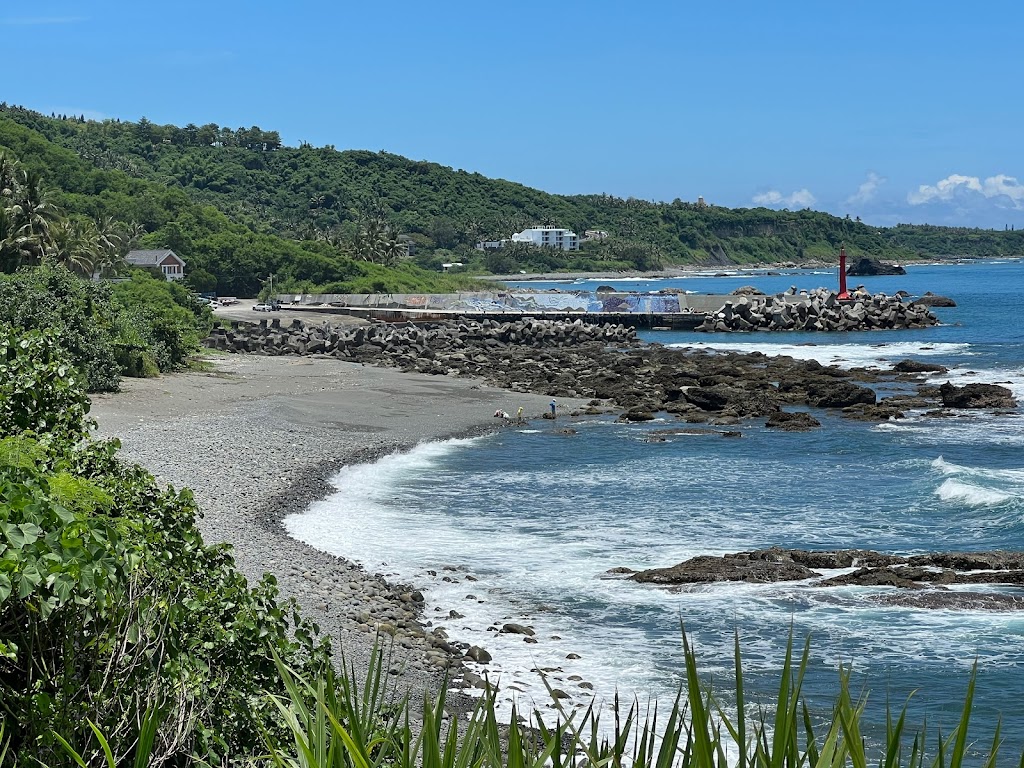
<point x="40" y="390"/>
<point x="76" y="311"/>
<point x="112" y="609"/>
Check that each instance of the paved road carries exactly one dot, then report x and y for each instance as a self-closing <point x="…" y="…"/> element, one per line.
<point x="243" y="310"/>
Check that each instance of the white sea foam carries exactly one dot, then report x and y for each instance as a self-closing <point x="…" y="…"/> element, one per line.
<point x="944" y="467"/>
<point x="971" y="495"/>
<point x="842" y="355"/>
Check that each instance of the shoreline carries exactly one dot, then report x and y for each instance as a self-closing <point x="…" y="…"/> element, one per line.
<point x="259" y="438"/>
<point x="691" y="270"/>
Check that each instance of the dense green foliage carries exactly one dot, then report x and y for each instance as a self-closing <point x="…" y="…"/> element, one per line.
<point x="139" y="327"/>
<point x="317" y="216"/>
<point x="39" y="387"/>
<point x="111" y="606"/>
<point x="232" y="255"/>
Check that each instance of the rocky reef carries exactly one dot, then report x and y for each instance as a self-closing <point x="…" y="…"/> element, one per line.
<point x="918" y="581"/>
<point x="607" y="364"/>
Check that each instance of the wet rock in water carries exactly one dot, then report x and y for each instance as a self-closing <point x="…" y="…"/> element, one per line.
<point x="905" y="577"/>
<point x="517" y="629"/>
<point x="637" y="414"/>
<point x="867" y="267"/>
<point x="835" y="558"/>
<point x="930" y="299"/>
<point x="798" y="421"/>
<point x="997" y="560"/>
<point x="619" y="571"/>
<point x="748" y="290"/>
<point x="478" y="655"/>
<point x="883" y="411"/>
<point x="707" y="569"/>
<point x="831" y="393"/>
<point x="945" y="600"/>
<point x="976" y="396"/>
<point x="918" y="366"/>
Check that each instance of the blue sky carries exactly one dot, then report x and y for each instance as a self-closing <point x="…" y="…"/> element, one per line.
<point x="893" y="111"/>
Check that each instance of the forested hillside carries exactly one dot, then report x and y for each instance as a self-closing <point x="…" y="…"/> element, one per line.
<point x="238" y="204"/>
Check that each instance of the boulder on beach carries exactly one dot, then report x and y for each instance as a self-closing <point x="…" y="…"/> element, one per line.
<point x="866" y="267"/>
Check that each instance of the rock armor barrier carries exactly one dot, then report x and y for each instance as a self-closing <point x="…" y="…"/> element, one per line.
<point x="818" y="310"/>
<point x="421" y="348"/>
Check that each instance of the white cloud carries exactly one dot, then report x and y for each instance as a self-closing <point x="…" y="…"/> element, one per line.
<point x="801" y="198"/>
<point x="1004" y="191"/>
<point x="867" y="190"/>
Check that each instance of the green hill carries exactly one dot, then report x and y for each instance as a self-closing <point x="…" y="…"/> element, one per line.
<point x="239" y="204"/>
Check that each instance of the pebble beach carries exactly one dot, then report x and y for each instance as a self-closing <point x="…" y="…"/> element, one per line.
<point x="257" y="438"/>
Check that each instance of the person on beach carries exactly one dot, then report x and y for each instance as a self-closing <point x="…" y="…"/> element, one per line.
<point x="552" y="406"/>
<point x="519" y="414"/>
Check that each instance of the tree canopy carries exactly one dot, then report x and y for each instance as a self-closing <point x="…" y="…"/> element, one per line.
<point x="239" y="205"/>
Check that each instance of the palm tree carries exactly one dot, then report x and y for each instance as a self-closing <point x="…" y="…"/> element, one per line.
<point x="369" y="244"/>
<point x="394" y="248"/>
<point x="12" y="244"/>
<point x="75" y="244"/>
<point x="110" y="238"/>
<point x="33" y="213"/>
<point x="9" y="173"/>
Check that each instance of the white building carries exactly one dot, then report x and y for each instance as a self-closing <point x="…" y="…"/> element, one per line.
<point x="167" y="261"/>
<point x="549" y="237"/>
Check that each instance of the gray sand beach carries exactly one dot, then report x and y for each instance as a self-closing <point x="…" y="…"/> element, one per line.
<point x="257" y="438"/>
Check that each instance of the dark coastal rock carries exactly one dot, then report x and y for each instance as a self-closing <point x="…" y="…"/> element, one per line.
<point x="976" y="396"/>
<point x="736" y="401"/>
<point x="707" y="398"/>
<point x="883" y="411"/>
<point x="1015" y="578"/>
<point x="998" y="560"/>
<point x="930" y="299"/>
<point x="834" y="558"/>
<point x="947" y="600"/>
<point x="917" y="366"/>
<point x="838" y="394"/>
<point x="748" y="290"/>
<point x="797" y="421"/>
<point x="868" y="267"/>
<point x="479" y="655"/>
<point x="512" y="628"/>
<point x="905" y="577"/>
<point x="637" y="414"/>
<point x="707" y="569"/>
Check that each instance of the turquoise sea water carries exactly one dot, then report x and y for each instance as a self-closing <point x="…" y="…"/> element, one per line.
<point x="528" y="521"/>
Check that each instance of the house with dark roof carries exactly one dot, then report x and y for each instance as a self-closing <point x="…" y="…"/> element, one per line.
<point x="164" y="259"/>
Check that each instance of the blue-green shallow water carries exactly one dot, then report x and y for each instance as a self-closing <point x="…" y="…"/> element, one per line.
<point x="537" y="518"/>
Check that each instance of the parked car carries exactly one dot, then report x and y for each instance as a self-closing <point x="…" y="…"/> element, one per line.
<point x="262" y="308"/>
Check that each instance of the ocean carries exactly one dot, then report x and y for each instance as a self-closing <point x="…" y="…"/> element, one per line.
<point x="523" y="525"/>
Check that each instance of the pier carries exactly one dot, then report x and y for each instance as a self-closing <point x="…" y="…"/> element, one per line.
<point x="649" y="311"/>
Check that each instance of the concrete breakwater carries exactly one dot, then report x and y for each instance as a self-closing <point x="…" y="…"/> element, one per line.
<point x="417" y="348"/>
<point x="817" y="310"/>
